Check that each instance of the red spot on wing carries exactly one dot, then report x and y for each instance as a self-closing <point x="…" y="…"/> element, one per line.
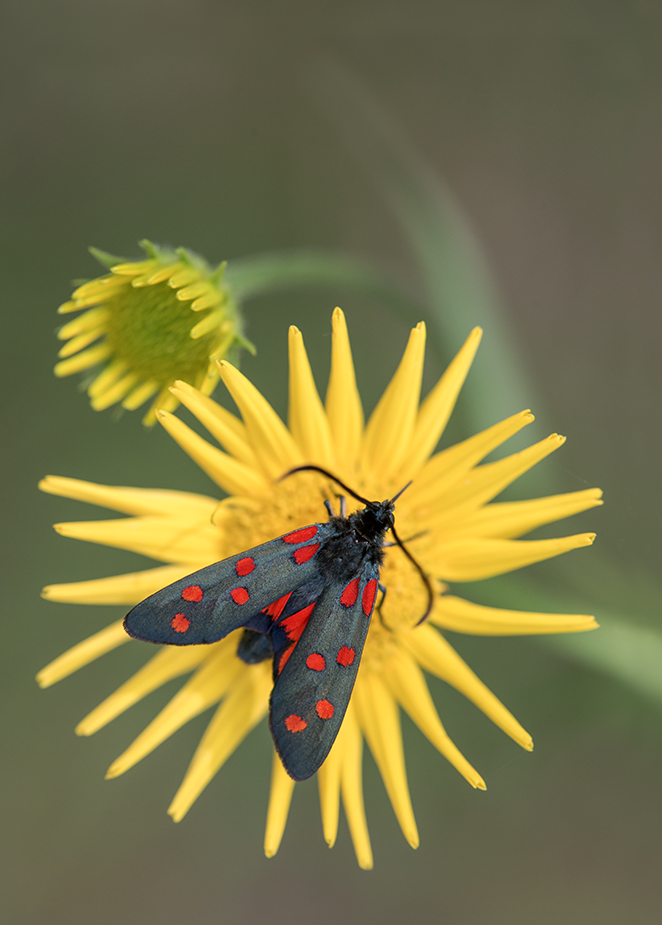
<point x="294" y="723"/>
<point x="275" y="610"/>
<point x="179" y="623"/>
<point x="345" y="656"/>
<point x="192" y="593"/>
<point x="325" y="710"/>
<point x="351" y="592"/>
<point x="245" y="566"/>
<point x="304" y="553"/>
<point x="369" y="593"/>
<point x="300" y="536"/>
<point x="316" y="661"/>
<point x="239" y="595"/>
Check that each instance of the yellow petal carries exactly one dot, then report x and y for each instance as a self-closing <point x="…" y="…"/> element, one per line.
<point x="88" y="321"/>
<point x="115" y="393"/>
<point x="188" y="293"/>
<point x="435" y="655"/>
<point x="328" y="780"/>
<point x="167" y="401"/>
<point x="435" y="411"/>
<point x="454" y="613"/>
<point x="407" y="683"/>
<point x="232" y="475"/>
<point x="485" y="482"/>
<point x="164" y="401"/>
<point x="475" y="559"/>
<point x="207" y="324"/>
<point x="97" y="287"/>
<point x="211" y="298"/>
<point x="119" y="589"/>
<point x="168" y="663"/>
<point x="389" y="431"/>
<point x="343" y="402"/>
<point x="83" y="360"/>
<point x="271" y="440"/>
<point x="218" y="673"/>
<point x="140" y="395"/>
<point x="221" y="424"/>
<point x="380" y="721"/>
<point x="511" y="519"/>
<point x="209" y="379"/>
<point x="241" y="710"/>
<point x="162" y="274"/>
<point x="183" y="277"/>
<point x="97" y="290"/>
<point x="67" y="307"/>
<point x="80" y="341"/>
<point x="280" y="797"/>
<point x="133" y="268"/>
<point x="107" y="377"/>
<point x="351" y="784"/>
<point x="131" y="500"/>
<point x="145" y="278"/>
<point x="447" y="466"/>
<point x="307" y="418"/>
<point x="169" y="540"/>
<point x="82" y="654"/>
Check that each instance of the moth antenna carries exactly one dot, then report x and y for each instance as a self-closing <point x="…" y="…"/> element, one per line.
<point x="395" y="497"/>
<point x="426" y="580"/>
<point x="329" y="476"/>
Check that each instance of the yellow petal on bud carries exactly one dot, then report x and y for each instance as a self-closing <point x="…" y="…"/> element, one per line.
<point x="84" y="360"/>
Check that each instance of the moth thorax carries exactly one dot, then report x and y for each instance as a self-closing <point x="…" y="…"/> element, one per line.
<point x="373" y="522"/>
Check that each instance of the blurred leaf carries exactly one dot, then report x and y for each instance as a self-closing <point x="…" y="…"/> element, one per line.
<point x="274" y="272"/>
<point x="620" y="648"/>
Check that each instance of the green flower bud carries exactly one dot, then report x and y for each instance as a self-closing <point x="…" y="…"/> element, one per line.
<point x="147" y="323"/>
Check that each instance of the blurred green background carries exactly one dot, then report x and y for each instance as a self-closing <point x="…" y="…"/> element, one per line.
<point x="199" y="124"/>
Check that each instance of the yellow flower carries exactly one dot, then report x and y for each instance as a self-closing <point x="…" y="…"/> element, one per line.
<point x="138" y="319"/>
<point x="458" y="535"/>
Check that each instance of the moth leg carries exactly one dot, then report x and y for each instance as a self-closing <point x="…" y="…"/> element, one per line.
<point x="416" y="536"/>
<point x="343" y="505"/>
<point x="329" y="507"/>
<point x="378" y="607"/>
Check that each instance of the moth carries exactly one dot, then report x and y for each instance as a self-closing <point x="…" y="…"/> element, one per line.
<point x="305" y="600"/>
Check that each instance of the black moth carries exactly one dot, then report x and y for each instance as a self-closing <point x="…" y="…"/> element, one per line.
<point x="304" y="599"/>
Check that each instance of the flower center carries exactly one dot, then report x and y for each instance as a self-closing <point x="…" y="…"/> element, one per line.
<point x="149" y="328"/>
